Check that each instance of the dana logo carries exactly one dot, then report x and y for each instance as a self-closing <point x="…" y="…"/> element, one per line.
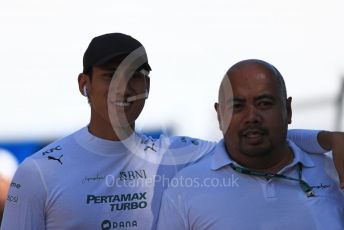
<point x="107" y="224"/>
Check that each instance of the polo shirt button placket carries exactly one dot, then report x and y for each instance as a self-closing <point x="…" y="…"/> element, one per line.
<point x="269" y="189"/>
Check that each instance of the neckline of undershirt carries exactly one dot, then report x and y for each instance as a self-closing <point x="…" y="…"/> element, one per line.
<point x="105" y="147"/>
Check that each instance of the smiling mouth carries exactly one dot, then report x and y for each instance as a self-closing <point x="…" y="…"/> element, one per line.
<point x="122" y="104"/>
<point x="128" y="101"/>
<point x="253" y="134"/>
<point x="137" y="97"/>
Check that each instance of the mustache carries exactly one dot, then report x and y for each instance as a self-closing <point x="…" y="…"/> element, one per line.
<point x="253" y="128"/>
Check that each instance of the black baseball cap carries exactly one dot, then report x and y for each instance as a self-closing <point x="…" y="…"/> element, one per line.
<point x="107" y="46"/>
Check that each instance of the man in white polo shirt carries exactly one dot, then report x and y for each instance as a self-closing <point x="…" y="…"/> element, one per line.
<point x="255" y="178"/>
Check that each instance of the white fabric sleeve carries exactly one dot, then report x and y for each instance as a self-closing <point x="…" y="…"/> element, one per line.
<point x="307" y="140"/>
<point x="171" y="215"/>
<point x="25" y="203"/>
<point x="185" y="150"/>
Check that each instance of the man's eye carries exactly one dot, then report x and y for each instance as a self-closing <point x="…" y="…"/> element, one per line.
<point x="265" y="104"/>
<point x="108" y="75"/>
<point x="139" y="75"/>
<point x="236" y="106"/>
<point x="136" y="76"/>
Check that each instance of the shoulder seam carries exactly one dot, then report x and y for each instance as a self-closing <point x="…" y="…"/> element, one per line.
<point x="42" y="180"/>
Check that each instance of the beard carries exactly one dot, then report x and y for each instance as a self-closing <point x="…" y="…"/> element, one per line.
<point x="260" y="150"/>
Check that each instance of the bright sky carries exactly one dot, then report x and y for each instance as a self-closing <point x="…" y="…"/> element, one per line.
<point x="190" y="46"/>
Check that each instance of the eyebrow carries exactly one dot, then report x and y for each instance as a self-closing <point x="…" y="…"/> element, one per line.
<point x="111" y="69"/>
<point x="260" y="97"/>
<point x="108" y="73"/>
<point x="265" y="96"/>
<point x="235" y="99"/>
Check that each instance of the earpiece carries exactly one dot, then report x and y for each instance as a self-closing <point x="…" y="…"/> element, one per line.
<point x="84" y="92"/>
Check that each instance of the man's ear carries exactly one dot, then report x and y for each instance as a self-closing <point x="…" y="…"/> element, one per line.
<point x="83" y="82"/>
<point x="148" y="84"/>
<point x="289" y="110"/>
<point x="217" y="109"/>
<point x="216" y="106"/>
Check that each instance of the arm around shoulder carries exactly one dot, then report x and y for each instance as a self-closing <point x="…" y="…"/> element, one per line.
<point x="316" y="141"/>
<point x="335" y="141"/>
<point x="307" y="139"/>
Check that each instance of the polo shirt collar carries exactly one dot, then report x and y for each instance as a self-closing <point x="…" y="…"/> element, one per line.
<point x="300" y="156"/>
<point x="221" y="158"/>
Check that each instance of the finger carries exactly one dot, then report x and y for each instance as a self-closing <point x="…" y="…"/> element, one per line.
<point x="339" y="164"/>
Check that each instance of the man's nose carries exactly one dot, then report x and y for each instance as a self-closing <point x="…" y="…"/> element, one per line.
<point x="252" y="115"/>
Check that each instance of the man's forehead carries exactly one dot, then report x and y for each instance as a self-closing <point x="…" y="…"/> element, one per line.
<point x="250" y="69"/>
<point x="254" y="83"/>
<point x="251" y="78"/>
<point x="251" y="73"/>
